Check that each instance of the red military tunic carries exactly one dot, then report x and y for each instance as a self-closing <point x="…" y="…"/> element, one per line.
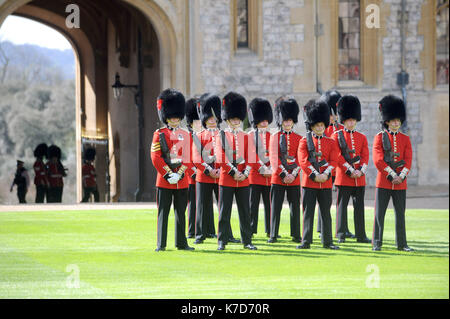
<point x="400" y="143"/>
<point x="208" y="139"/>
<point x="330" y="152"/>
<point x="358" y="142"/>
<point x="178" y="142"/>
<point x="238" y="143"/>
<point x="40" y="173"/>
<point x="190" y="172"/>
<point x="330" y="130"/>
<point x="255" y="177"/>
<point x="55" y="177"/>
<point x="293" y="140"/>
<point x="89" y="176"/>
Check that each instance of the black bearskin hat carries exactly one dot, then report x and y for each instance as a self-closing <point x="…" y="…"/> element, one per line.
<point x="392" y="107"/>
<point x="234" y="105"/>
<point x="317" y="111"/>
<point x="53" y="151"/>
<point x="286" y="108"/>
<point x="89" y="154"/>
<point x="209" y="103"/>
<point x="41" y="150"/>
<point x="331" y="97"/>
<point x="259" y="110"/>
<point x="349" y="107"/>
<point x="171" y="103"/>
<point x="191" y="110"/>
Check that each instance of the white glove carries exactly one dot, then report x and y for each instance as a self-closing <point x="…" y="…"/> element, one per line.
<point x="174" y="178"/>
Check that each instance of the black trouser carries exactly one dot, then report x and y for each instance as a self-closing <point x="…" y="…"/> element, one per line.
<point x="256" y="192"/>
<point x="382" y="197"/>
<point x="225" y="206"/>
<point x="164" y="197"/>
<point x="54" y="194"/>
<point x="21" y="193"/>
<point x="204" y="220"/>
<point x="319" y="222"/>
<point x="41" y="192"/>
<point x="276" y="202"/>
<point x="324" y="198"/>
<point x="87" y="194"/>
<point x="343" y="196"/>
<point x="192" y="209"/>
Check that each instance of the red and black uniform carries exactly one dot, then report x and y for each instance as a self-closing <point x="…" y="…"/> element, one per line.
<point x="258" y="143"/>
<point x="55" y="174"/>
<point x="356" y="143"/>
<point x="40" y="180"/>
<point x="232" y="156"/>
<point x="89" y="182"/>
<point x="317" y="192"/>
<point x="178" y="146"/>
<point x="279" y="188"/>
<point x="385" y="189"/>
<point x="329" y="131"/>
<point x="204" y="160"/>
<point x="192" y="205"/>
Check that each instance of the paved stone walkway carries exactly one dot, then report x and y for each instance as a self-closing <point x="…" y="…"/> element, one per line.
<point x="426" y="197"/>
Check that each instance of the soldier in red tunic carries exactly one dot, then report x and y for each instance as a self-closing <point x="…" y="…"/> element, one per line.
<point x="286" y="169"/>
<point x="55" y="174"/>
<point x="392" y="156"/>
<point x="332" y="97"/>
<point x="260" y="116"/>
<point x="170" y="154"/>
<point x="89" y="176"/>
<point x="208" y="169"/>
<point x="318" y="156"/>
<point x="232" y="154"/>
<point x="40" y="173"/>
<point x="350" y="173"/>
<point x="193" y="125"/>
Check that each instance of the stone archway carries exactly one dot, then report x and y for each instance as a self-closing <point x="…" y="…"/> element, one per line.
<point x="106" y="44"/>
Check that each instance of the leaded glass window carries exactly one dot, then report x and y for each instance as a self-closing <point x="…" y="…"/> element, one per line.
<point x="349" y="40"/>
<point x="442" y="42"/>
<point x="242" y="24"/>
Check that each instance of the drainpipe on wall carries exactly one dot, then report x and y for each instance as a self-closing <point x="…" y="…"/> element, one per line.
<point x="403" y="76"/>
<point x="318" y="31"/>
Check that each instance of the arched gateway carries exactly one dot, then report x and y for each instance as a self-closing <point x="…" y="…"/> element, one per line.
<point x="141" y="40"/>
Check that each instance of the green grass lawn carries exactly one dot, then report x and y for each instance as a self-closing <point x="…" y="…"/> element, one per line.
<point x="112" y="253"/>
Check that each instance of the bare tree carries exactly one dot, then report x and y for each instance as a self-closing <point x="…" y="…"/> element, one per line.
<point x="4" y="61"/>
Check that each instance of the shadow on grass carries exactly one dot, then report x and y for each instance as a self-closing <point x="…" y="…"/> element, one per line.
<point x="285" y="247"/>
<point x="389" y="248"/>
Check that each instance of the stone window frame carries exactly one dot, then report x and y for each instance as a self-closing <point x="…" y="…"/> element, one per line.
<point x="370" y="48"/>
<point x="443" y="7"/>
<point x="427" y="28"/>
<point x="254" y="32"/>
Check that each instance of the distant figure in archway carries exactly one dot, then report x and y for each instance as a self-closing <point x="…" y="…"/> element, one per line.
<point x="22" y="180"/>
<point x="40" y="173"/>
<point x="89" y="176"/>
<point x="56" y="172"/>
